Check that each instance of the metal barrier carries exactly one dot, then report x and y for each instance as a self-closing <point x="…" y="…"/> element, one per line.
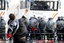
<point x="44" y="34"/>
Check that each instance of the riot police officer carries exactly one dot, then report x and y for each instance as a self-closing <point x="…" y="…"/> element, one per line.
<point x="2" y="27"/>
<point x="34" y="27"/>
<point x="42" y="24"/>
<point x="60" y="27"/>
<point x="50" y="28"/>
<point x="33" y="22"/>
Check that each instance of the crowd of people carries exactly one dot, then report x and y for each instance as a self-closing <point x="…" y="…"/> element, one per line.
<point x="20" y="29"/>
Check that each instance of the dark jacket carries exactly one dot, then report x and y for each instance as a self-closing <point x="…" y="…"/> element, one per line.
<point x="22" y="31"/>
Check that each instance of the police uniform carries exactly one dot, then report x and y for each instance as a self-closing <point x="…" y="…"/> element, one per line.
<point x="60" y="27"/>
<point x="2" y="27"/>
<point x="50" y="28"/>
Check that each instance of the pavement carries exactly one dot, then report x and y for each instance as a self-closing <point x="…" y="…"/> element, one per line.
<point x="34" y="41"/>
<point x="31" y="41"/>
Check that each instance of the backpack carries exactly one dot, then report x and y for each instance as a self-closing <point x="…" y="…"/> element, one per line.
<point x="60" y="24"/>
<point x="2" y="23"/>
<point x="51" y="25"/>
<point x="42" y="24"/>
<point x="33" y="23"/>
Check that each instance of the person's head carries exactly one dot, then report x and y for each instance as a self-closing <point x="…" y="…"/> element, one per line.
<point x="38" y="17"/>
<point x="12" y="16"/>
<point x="62" y="17"/>
<point x="24" y="17"/>
<point x="41" y="18"/>
<point x="34" y="16"/>
<point x="1" y="17"/>
<point x="58" y="18"/>
<point x="50" y="19"/>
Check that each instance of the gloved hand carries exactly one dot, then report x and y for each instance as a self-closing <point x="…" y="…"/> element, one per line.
<point x="9" y="35"/>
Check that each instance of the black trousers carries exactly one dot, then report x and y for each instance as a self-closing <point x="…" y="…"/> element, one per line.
<point x="50" y="36"/>
<point x="59" y="35"/>
<point x="16" y="39"/>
